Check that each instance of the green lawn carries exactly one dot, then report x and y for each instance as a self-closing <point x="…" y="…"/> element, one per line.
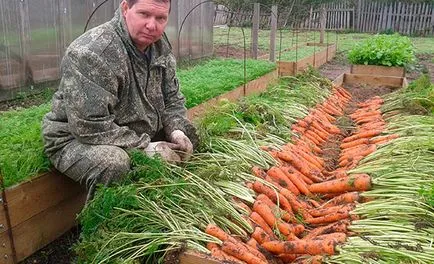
<point x="344" y="41"/>
<point x="300" y="53"/>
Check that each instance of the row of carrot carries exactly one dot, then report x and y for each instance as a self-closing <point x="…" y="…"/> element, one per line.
<point x="302" y="211"/>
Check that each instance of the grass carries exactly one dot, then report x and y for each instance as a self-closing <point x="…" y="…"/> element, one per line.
<point x="21" y="147"/>
<point x="300" y="53"/>
<point x="344" y="41"/>
<point x="214" y="77"/>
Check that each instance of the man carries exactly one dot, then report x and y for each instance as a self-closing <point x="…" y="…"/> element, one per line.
<point x="118" y="92"/>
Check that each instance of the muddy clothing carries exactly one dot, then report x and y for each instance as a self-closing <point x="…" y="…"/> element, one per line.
<point x="111" y="94"/>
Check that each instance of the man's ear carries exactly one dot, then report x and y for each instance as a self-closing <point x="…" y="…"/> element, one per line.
<point x="124" y="7"/>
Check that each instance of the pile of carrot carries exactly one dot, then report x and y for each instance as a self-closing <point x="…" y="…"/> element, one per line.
<point x="370" y="125"/>
<point x="302" y="211"/>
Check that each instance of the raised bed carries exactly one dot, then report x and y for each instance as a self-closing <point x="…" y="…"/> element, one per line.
<point x="324" y="54"/>
<point x="378" y="70"/>
<point x="36" y="212"/>
<point x="370" y="80"/>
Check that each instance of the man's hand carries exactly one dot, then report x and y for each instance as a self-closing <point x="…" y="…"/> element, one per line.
<point x="165" y="149"/>
<point x="179" y="138"/>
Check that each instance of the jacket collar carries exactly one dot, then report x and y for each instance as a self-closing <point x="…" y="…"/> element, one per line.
<point x="158" y="50"/>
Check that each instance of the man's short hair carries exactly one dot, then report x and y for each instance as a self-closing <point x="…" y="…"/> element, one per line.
<point x="132" y="2"/>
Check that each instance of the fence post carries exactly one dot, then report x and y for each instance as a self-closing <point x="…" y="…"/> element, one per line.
<point x="273" y="33"/>
<point x="255" y="30"/>
<point x="323" y="20"/>
<point x="432" y="19"/>
<point x="359" y="15"/>
<point x="25" y="41"/>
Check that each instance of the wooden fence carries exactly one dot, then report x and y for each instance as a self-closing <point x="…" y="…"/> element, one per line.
<point x="360" y="15"/>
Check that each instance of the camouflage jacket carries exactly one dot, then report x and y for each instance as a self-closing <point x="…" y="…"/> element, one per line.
<point x="112" y="94"/>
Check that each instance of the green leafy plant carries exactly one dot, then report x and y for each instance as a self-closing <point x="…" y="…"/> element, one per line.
<point x="385" y="50"/>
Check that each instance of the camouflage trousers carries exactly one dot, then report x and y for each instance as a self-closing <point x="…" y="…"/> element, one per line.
<point x="92" y="164"/>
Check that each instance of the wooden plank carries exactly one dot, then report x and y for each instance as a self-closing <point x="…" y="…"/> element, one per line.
<point x="32" y="197"/>
<point x="432" y="20"/>
<point x="320" y="58"/>
<point x="425" y="19"/>
<point x="273" y="33"/>
<point x="254" y="86"/>
<point x="389" y="16"/>
<point x="373" y="80"/>
<point x="358" y="15"/>
<point x="339" y="81"/>
<point x="5" y="249"/>
<point x="261" y="84"/>
<point x="286" y="68"/>
<point x="196" y="258"/>
<point x="46" y="226"/>
<point x="378" y="70"/>
<point x="401" y="15"/>
<point x="255" y="30"/>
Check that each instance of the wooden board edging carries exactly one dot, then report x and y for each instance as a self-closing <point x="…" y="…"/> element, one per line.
<point x="371" y="80"/>
<point x="378" y="70"/>
<point x="316" y="60"/>
<point x="252" y="87"/>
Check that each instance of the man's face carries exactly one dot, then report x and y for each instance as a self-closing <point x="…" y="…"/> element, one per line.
<point x="146" y="21"/>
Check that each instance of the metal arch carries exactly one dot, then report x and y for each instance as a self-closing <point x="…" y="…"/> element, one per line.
<point x="188" y="14"/>
<point x="280" y="29"/>
<point x="242" y="30"/>
<point x="93" y="13"/>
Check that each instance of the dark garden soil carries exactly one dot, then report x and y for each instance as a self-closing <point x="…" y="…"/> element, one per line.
<point x="335" y="67"/>
<point x="234" y="52"/>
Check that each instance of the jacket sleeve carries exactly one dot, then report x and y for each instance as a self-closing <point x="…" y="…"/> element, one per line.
<point x="175" y="113"/>
<point x="90" y="93"/>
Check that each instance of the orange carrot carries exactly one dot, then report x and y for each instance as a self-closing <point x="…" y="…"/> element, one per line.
<point x="328" y="218"/>
<point x="330" y="210"/>
<point x="296" y="205"/>
<point x="258" y="172"/>
<point x="261" y="236"/>
<point x="277" y="198"/>
<point x="220" y="255"/>
<point x="279" y="176"/>
<point x="301" y="186"/>
<point x="311" y="247"/>
<point x="356" y="182"/>
<point x="339" y="226"/>
<point x="383" y="139"/>
<point x="252" y="242"/>
<point x="305" y="178"/>
<point x="244" y="208"/>
<point x="298" y="229"/>
<point x="355" y="143"/>
<point x="267" y="214"/>
<point x="211" y="245"/>
<point x="345" y="198"/>
<point x="286" y="216"/>
<point x="337" y="237"/>
<point x="288" y="258"/>
<point x="259" y="220"/>
<point x="367" y="134"/>
<point x="217" y="232"/>
<point x="241" y="253"/>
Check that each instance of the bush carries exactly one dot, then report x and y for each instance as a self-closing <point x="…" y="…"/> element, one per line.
<point x="385" y="50"/>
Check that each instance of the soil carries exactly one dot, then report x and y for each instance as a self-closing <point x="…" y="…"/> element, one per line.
<point x="335" y="67"/>
<point x="234" y="52"/>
